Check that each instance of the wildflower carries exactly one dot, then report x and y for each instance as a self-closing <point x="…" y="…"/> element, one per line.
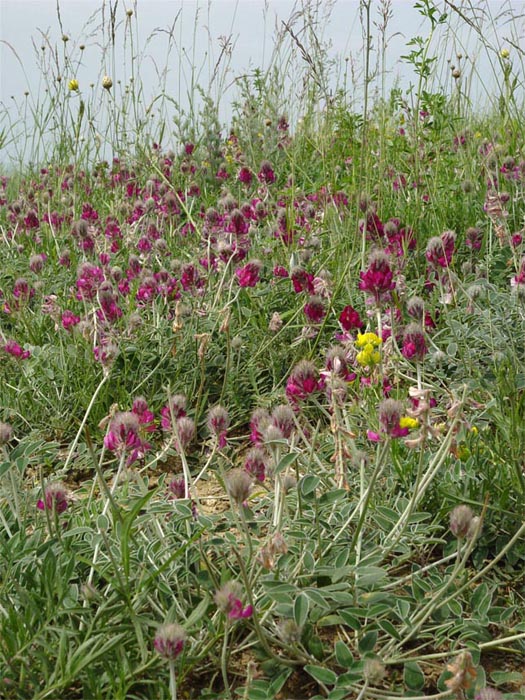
<point x="15" y="350"/>
<point x="123" y="436"/>
<point x="440" y="249"/>
<point x="302" y="381"/>
<point x="283" y="418"/>
<point x="390" y="416"/>
<point x="378" y="279"/>
<point x="248" y="276"/>
<point x="245" y="175"/>
<point x="302" y="281"/>
<point x="504" y="53"/>
<point x="146" y="417"/>
<point x="259" y="420"/>
<point x="177" y="488"/>
<point x="107" y="83"/>
<point x="73" y="85"/>
<point x="56" y="498"/>
<point x="228" y="599"/>
<point x="414" y="343"/>
<point x="218" y="422"/>
<point x="255" y="463"/>
<point x="473" y="237"/>
<point x="6" y="433"/>
<point x="314" y="309"/>
<point x="266" y="173"/>
<point x="416" y="308"/>
<point x="463" y="671"/>
<point x="350" y="319"/>
<point x="36" y="262"/>
<point x="69" y="320"/>
<point x="460" y="521"/>
<point x="276" y="322"/>
<point x="368" y="344"/>
<point x="184" y="432"/>
<point x="176" y="407"/>
<point x="238" y="485"/>
<point x="169" y="640"/>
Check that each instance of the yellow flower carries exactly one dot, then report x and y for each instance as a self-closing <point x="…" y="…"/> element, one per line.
<point x="368" y="356"/>
<point x="107" y="83"/>
<point x="73" y="85"/>
<point x="364" y="339"/>
<point x="408" y="422"/>
<point x="504" y="53"/>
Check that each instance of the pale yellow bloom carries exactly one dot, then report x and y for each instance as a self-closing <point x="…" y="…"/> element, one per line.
<point x="73" y="85"/>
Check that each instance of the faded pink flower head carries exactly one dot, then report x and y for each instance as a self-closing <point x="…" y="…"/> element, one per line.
<point x="169" y="640"/>
<point x="56" y="498"/>
<point x="228" y="599"/>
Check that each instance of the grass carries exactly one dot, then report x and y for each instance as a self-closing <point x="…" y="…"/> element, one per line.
<point x="262" y="392"/>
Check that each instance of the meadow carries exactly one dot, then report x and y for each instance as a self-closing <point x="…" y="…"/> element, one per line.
<point x="262" y="385"/>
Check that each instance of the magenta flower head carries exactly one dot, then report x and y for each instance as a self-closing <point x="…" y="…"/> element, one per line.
<point x="302" y="382"/>
<point x="69" y="320"/>
<point x="249" y="274"/>
<point x="176" y="406"/>
<point x="218" y="422"/>
<point x="314" y="309"/>
<point x="378" y="278"/>
<point x="56" y="498"/>
<point x="390" y="414"/>
<point x="302" y="280"/>
<point x="255" y="463"/>
<point x="259" y="420"/>
<point x="349" y="319"/>
<point x="266" y="173"/>
<point x="15" y="350"/>
<point x="414" y="343"/>
<point x="123" y="436"/>
<point x="228" y="600"/>
<point x="169" y="640"/>
<point x="440" y="249"/>
<point x="245" y="175"/>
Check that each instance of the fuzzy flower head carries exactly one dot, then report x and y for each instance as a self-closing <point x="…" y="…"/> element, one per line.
<point x="463" y="672"/>
<point x="350" y="319"/>
<point x="176" y="408"/>
<point x="462" y="521"/>
<point x="414" y="343"/>
<point x="238" y="485"/>
<point x="124" y="437"/>
<point x="249" y="274"/>
<point x="228" y="600"/>
<point x="314" y="309"/>
<point x="56" y="498"/>
<point x="378" y="278"/>
<point x="255" y="463"/>
<point x="169" y="641"/>
<point x="302" y="382"/>
<point x="440" y="249"/>
<point x="218" y="422"/>
<point x="6" y="433"/>
<point x="392" y="421"/>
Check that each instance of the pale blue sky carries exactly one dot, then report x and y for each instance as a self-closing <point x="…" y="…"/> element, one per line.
<point x="251" y="24"/>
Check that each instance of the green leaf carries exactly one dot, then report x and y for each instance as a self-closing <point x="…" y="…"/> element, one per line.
<point x="343" y="654"/>
<point x="413" y="676"/>
<point x="285" y="462"/>
<point x="321" y="674"/>
<point x="350" y="619"/>
<point x="367" y="642"/>
<point x="308" y="484"/>
<point x="500" y="677"/>
<point x="300" y="609"/>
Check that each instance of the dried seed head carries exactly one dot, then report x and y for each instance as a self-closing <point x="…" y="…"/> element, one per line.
<point x="6" y="433"/>
<point x="374" y="671"/>
<point x="238" y="485"/>
<point x="289" y="631"/>
<point x="460" y="521"/>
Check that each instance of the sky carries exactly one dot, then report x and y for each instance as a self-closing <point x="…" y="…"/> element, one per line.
<point x="182" y="41"/>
